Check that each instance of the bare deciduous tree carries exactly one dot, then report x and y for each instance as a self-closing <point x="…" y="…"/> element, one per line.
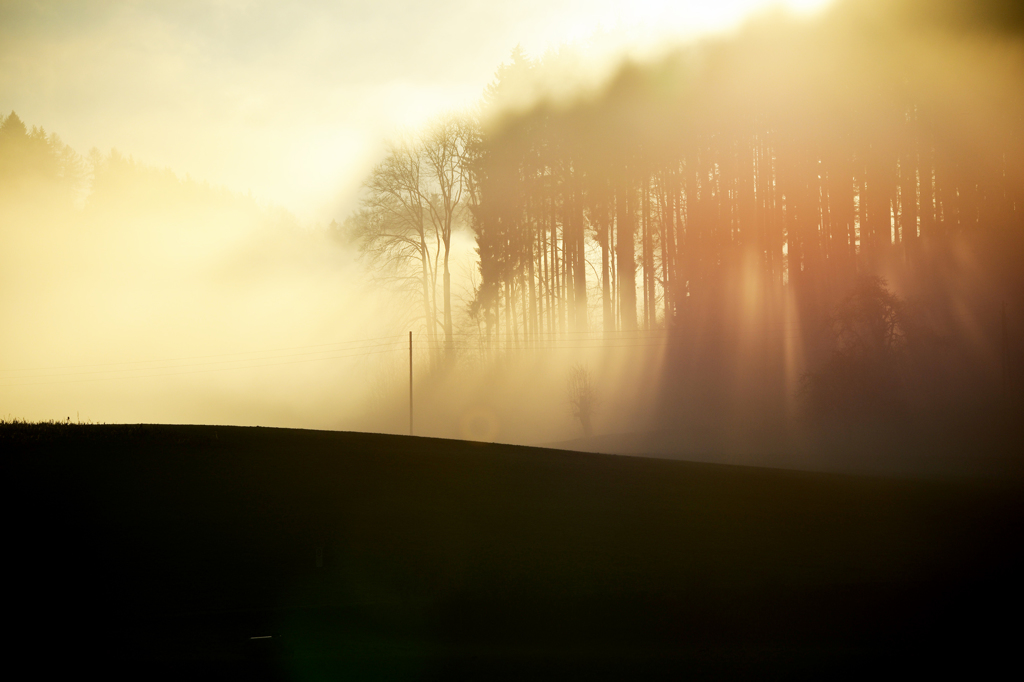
<point x="444" y="151"/>
<point x="392" y="228"/>
<point x="413" y="199"/>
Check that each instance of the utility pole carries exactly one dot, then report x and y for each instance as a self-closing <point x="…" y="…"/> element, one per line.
<point x="1006" y="359"/>
<point x="410" y="383"/>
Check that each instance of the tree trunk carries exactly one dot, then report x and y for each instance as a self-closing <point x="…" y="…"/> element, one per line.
<point x="626" y="258"/>
<point x="645" y="242"/>
<point x="427" y="317"/>
<point x="447" y="305"/>
<point x="580" y="265"/>
<point x="606" y="301"/>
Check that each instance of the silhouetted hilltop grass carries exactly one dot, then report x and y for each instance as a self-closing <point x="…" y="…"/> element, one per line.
<point x="378" y="556"/>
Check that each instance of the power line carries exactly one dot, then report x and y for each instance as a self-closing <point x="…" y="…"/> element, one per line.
<point x="783" y="324"/>
<point x="204" y="357"/>
<point x="202" y="364"/>
<point x="185" y="370"/>
<point x="638" y="338"/>
<point x="557" y="346"/>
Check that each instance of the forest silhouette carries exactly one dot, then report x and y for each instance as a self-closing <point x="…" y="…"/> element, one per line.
<point x="713" y="232"/>
<point x="746" y="196"/>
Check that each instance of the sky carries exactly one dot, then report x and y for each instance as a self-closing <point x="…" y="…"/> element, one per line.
<point x="293" y="101"/>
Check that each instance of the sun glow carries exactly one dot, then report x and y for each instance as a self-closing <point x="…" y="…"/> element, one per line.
<point x="709" y="15"/>
<point x="644" y="23"/>
<point x="603" y="32"/>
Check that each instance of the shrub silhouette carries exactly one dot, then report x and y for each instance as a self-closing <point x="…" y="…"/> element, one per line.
<point x="866" y="372"/>
<point x="582" y="396"/>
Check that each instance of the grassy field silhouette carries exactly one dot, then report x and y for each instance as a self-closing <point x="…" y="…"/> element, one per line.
<point x="365" y="556"/>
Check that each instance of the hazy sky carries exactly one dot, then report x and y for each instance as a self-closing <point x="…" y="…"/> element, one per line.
<point x="291" y="100"/>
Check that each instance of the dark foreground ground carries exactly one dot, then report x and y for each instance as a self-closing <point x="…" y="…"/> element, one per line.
<point x="149" y="551"/>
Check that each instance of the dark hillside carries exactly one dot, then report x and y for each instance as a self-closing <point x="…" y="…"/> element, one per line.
<point x="370" y="556"/>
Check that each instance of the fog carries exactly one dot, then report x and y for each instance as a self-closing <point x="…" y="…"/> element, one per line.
<point x="682" y="219"/>
<point x="135" y="307"/>
<point x="158" y="299"/>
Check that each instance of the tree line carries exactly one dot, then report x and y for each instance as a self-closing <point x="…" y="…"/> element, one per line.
<point x="32" y="160"/>
<point x="748" y="177"/>
<point x="745" y="160"/>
